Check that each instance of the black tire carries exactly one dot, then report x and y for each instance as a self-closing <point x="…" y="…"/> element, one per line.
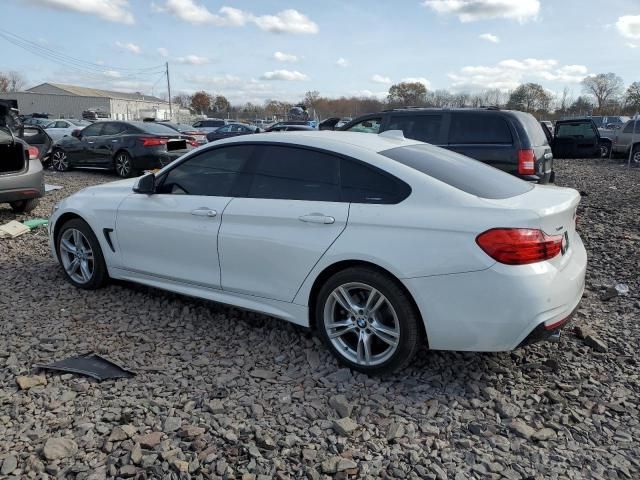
<point x="24" y="206"/>
<point x="635" y="154"/>
<point x="59" y="161"/>
<point x="99" y="276"/>
<point x="408" y="319"/>
<point x="605" y="150"/>
<point x="123" y="165"/>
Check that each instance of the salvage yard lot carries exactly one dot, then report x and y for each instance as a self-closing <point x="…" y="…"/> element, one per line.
<point x="565" y="410"/>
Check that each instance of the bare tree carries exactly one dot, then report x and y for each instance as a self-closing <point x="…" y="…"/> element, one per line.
<point x="17" y="81"/>
<point x="4" y="83"/>
<point x="604" y="87"/>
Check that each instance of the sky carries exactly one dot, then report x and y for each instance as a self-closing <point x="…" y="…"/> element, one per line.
<point x="254" y="50"/>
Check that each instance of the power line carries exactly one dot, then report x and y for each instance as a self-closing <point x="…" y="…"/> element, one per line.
<point x="75" y="63"/>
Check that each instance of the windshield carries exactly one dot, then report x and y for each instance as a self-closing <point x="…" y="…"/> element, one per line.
<point x="463" y="173"/>
<point x="578" y="130"/>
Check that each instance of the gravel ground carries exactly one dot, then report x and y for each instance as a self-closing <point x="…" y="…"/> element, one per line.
<point x="221" y="393"/>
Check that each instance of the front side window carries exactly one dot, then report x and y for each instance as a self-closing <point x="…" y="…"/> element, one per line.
<point x="371" y="125"/>
<point x="112" y="129"/>
<point x="425" y="128"/>
<point x="295" y="174"/>
<point x="226" y="129"/>
<point x="212" y="173"/>
<point x="479" y="128"/>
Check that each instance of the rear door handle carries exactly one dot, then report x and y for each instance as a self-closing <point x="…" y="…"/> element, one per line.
<point x="317" y="218"/>
<point x="204" y="212"/>
<point x="548" y="156"/>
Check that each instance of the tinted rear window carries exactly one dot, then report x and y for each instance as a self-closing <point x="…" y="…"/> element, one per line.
<point x="479" y="128"/>
<point x="156" y="128"/>
<point x="575" y="130"/>
<point x="212" y="123"/>
<point x="533" y="129"/>
<point x="463" y="173"/>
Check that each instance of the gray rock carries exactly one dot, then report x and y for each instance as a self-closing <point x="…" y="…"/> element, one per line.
<point x="56" y="448"/>
<point x="9" y="464"/>
<point x="346" y="464"/>
<point x="522" y="429"/>
<point x="172" y="424"/>
<point x="596" y="343"/>
<point x="345" y="426"/>
<point x="340" y="404"/>
<point x="263" y="374"/>
<point x="544" y="434"/>
<point x="330" y="465"/>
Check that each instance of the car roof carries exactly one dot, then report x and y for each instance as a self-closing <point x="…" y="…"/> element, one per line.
<point x="329" y="140"/>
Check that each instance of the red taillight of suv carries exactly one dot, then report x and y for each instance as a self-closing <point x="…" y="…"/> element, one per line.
<point x="153" y="141"/>
<point x="519" y="246"/>
<point x="34" y="153"/>
<point x="526" y="162"/>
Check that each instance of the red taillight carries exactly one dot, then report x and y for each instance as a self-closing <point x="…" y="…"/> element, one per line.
<point x="526" y="162"/>
<point x="194" y="143"/>
<point x="519" y="246"/>
<point x="153" y="141"/>
<point x="34" y="153"/>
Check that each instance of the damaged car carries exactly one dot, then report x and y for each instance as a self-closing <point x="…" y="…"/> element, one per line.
<point x="579" y="138"/>
<point x="21" y="172"/>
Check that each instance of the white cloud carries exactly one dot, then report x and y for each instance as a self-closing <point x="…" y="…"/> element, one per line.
<point x="193" y="60"/>
<point x="286" y="21"/>
<point x="163" y="52"/>
<point x="112" y="74"/>
<point x="629" y="26"/>
<point x="377" y="78"/>
<point x="631" y="45"/>
<point x="369" y="94"/>
<point x="287" y="75"/>
<point x="131" y="47"/>
<point x="112" y="10"/>
<point x="508" y="74"/>
<point x="473" y="10"/>
<point x="285" y="57"/>
<point x="490" y="37"/>
<point x="421" y="80"/>
<point x="343" y="62"/>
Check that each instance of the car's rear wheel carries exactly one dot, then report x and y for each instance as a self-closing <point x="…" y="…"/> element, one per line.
<point x="635" y="154"/>
<point x="59" y="160"/>
<point x="368" y="320"/>
<point x="80" y="255"/>
<point x="24" y="206"/>
<point x="123" y="165"/>
<point x="604" y="151"/>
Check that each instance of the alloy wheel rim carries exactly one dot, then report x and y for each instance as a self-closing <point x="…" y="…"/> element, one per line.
<point x="604" y="151"/>
<point x="636" y="157"/>
<point x="59" y="160"/>
<point x="123" y="165"/>
<point x="77" y="256"/>
<point x="361" y="324"/>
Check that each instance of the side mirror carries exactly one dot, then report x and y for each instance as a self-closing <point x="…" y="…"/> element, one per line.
<point x="76" y="133"/>
<point x="145" y="184"/>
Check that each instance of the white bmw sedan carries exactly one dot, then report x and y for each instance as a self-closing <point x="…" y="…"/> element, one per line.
<point x="379" y="243"/>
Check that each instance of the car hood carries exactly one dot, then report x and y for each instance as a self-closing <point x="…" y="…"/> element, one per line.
<point x="118" y="187"/>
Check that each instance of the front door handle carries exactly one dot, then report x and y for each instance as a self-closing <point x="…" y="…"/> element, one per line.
<point x="317" y="218"/>
<point x="204" y="212"/>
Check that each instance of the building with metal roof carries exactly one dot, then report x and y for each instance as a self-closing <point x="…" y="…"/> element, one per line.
<point x="70" y="101"/>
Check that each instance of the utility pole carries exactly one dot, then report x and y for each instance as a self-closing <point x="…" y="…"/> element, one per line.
<point x="169" y="89"/>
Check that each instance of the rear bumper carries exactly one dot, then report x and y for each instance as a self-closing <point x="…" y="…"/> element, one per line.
<point x="498" y="308"/>
<point x="24" y="185"/>
<point x="150" y="161"/>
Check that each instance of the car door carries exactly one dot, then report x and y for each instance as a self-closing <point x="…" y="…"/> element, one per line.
<point x="484" y="136"/>
<point x="271" y="238"/>
<point x="172" y="234"/>
<point x="80" y="150"/>
<point x="109" y="141"/>
<point x="425" y="127"/>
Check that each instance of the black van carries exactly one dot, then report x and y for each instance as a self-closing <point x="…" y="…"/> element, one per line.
<point x="509" y="140"/>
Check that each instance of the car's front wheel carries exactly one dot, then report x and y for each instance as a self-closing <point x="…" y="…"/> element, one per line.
<point x="605" y="150"/>
<point x="368" y="320"/>
<point x="59" y="160"/>
<point x="635" y="154"/>
<point x="80" y="255"/>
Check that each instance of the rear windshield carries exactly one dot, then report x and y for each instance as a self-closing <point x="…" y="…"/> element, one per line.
<point x="534" y="129"/>
<point x="577" y="130"/>
<point x="463" y="173"/>
<point x="157" y="128"/>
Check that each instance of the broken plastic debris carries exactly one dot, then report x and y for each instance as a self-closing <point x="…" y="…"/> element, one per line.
<point x="622" y="288"/>
<point x="13" y="229"/>
<point x="48" y="188"/>
<point x="91" y="365"/>
<point x="36" y="222"/>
